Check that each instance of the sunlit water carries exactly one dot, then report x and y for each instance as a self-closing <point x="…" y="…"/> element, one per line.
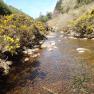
<point x="66" y="66"/>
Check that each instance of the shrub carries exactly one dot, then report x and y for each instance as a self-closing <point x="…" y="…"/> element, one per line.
<point x="17" y="31"/>
<point x="45" y="18"/>
<point x="84" y="24"/>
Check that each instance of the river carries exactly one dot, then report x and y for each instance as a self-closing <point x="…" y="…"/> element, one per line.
<point x="65" y="66"/>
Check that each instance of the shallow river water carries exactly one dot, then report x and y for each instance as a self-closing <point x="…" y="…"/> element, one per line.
<point x="65" y="66"/>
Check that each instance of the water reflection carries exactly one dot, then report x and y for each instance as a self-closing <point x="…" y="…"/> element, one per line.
<point x="29" y="73"/>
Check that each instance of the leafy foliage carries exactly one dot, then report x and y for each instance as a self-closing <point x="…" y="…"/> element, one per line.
<point x="84" y="1"/>
<point x="4" y="9"/>
<point x="58" y="5"/>
<point x="84" y="25"/>
<point x="45" y="18"/>
<point x="63" y="6"/>
<point x="8" y="9"/>
<point x="18" y="31"/>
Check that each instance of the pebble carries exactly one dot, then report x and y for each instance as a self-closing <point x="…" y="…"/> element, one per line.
<point x="30" y="51"/>
<point x="59" y="40"/>
<point x="34" y="56"/>
<point x="53" y="43"/>
<point x="43" y="45"/>
<point x="9" y="62"/>
<point x="26" y="59"/>
<point x="62" y="32"/>
<point x="50" y="36"/>
<point x="50" y="49"/>
<point x="72" y="38"/>
<point x="92" y="39"/>
<point x="25" y="52"/>
<point x="61" y="36"/>
<point x="55" y="47"/>
<point x="82" y="50"/>
<point x="83" y="38"/>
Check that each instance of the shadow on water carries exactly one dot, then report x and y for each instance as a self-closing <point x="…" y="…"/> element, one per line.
<point x="37" y="74"/>
<point x="20" y="75"/>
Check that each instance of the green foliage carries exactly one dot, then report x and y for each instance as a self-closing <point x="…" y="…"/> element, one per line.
<point x="84" y="24"/>
<point x="14" y="10"/>
<point x="58" y="5"/>
<point x="63" y="6"/>
<point x="45" y="18"/>
<point x="84" y="1"/>
<point x="17" y="31"/>
<point x="49" y="15"/>
<point x="4" y="9"/>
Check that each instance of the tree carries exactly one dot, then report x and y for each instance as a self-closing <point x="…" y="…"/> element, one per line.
<point x="45" y="18"/>
<point x="4" y="9"/>
<point x="49" y="15"/>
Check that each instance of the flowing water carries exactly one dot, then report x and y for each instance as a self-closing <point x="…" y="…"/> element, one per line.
<point x="65" y="66"/>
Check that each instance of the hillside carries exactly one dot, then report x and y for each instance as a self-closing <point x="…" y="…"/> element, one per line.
<point x="7" y="9"/>
<point x="14" y="10"/>
<point x="4" y="9"/>
<point x="64" y="6"/>
<point x="67" y="10"/>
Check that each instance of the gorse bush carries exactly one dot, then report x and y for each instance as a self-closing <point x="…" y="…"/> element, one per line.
<point x="84" y="25"/>
<point x="18" y="31"/>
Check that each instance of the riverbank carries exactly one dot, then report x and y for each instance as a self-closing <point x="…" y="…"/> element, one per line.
<point x="20" y="36"/>
<point x="20" y="64"/>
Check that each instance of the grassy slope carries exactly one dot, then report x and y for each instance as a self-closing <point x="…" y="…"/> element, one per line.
<point x="6" y="9"/>
<point x="66" y="5"/>
<point x="14" y="10"/>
